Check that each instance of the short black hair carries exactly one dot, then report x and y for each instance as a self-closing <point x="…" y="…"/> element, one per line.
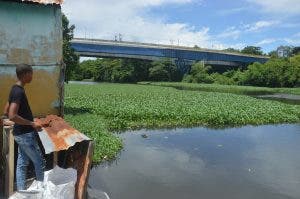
<point x="23" y="69"/>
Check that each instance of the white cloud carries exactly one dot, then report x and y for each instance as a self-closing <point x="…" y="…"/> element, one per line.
<point x="266" y="41"/>
<point x="286" y="7"/>
<point x="293" y="42"/>
<point x="235" y="32"/>
<point x="231" y="11"/>
<point x="260" y="25"/>
<point x="231" y="32"/>
<point x="104" y="19"/>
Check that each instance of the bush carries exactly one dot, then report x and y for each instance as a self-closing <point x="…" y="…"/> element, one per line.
<point x="274" y="73"/>
<point x="199" y="74"/>
<point x="158" y="73"/>
<point x="164" y="70"/>
<point x="222" y="79"/>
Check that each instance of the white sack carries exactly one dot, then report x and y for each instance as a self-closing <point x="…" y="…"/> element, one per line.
<point x="58" y="184"/>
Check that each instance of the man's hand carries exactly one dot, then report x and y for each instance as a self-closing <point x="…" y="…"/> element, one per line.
<point x="36" y="126"/>
<point x="7" y="122"/>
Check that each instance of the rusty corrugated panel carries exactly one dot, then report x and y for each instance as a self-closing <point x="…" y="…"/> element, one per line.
<point x="58" y="135"/>
<point x="46" y="1"/>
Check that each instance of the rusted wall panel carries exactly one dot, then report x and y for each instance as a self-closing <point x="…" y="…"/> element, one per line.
<point x="58" y="135"/>
<point x="32" y="34"/>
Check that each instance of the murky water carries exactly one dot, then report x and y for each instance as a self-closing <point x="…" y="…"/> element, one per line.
<point x="285" y="98"/>
<point x="239" y="163"/>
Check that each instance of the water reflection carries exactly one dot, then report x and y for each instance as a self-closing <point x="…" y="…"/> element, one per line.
<point x="249" y="162"/>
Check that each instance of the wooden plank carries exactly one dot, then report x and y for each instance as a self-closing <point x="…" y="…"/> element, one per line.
<point x="82" y="180"/>
<point x="2" y="161"/>
<point x="55" y="158"/>
<point x="10" y="162"/>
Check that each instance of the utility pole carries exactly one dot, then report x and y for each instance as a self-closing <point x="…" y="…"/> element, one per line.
<point x="171" y="41"/>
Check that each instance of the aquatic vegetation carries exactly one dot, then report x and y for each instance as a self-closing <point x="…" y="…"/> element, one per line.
<point x="248" y="90"/>
<point x="98" y="110"/>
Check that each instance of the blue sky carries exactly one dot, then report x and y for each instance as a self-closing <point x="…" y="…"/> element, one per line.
<point x="214" y="24"/>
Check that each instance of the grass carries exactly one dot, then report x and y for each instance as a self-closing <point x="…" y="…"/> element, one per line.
<point x="99" y="110"/>
<point x="245" y="90"/>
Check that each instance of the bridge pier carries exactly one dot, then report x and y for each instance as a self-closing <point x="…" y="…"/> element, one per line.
<point x="183" y="65"/>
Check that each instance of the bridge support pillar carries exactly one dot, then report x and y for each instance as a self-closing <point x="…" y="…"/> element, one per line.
<point x="183" y="65"/>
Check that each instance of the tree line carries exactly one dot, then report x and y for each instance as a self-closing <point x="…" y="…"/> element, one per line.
<point x="126" y="70"/>
<point x="277" y="72"/>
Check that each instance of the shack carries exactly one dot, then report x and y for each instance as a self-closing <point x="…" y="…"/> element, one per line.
<point x="31" y="33"/>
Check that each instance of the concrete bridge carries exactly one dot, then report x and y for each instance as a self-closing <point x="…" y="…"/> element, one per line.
<point x="182" y="56"/>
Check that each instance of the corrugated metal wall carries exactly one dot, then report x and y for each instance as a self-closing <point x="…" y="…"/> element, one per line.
<point x="32" y="34"/>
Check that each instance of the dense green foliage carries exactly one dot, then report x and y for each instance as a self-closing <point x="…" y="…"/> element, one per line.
<point x="97" y="110"/>
<point x="250" y="50"/>
<point x="277" y="72"/>
<point x="127" y="70"/>
<point x="274" y="73"/>
<point x="70" y="59"/>
<point x="198" y="74"/>
<point x="296" y="50"/>
<point x="164" y="69"/>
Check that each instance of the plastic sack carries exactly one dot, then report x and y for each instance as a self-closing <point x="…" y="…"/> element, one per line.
<point x="58" y="184"/>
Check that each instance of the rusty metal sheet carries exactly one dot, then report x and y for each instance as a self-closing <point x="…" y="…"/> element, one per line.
<point x="58" y="135"/>
<point x="46" y="1"/>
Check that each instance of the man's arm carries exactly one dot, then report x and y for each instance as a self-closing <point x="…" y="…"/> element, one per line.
<point x="13" y="116"/>
<point x="5" y="111"/>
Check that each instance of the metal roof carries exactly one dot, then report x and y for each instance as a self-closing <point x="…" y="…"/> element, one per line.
<point x="46" y="1"/>
<point x="58" y="135"/>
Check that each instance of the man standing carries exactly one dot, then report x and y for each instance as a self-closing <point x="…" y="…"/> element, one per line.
<point x="25" y="129"/>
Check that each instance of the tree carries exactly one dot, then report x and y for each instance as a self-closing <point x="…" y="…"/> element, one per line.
<point x="273" y="54"/>
<point x="252" y="50"/>
<point x="70" y="59"/>
<point x="158" y="72"/>
<point x="232" y="50"/>
<point x="277" y="72"/>
<point x="198" y="74"/>
<point x="296" y="50"/>
<point x="168" y="70"/>
<point x="140" y="68"/>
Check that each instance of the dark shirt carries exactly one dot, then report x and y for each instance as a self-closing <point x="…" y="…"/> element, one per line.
<point x="17" y="95"/>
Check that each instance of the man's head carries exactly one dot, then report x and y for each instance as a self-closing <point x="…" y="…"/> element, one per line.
<point x="24" y="73"/>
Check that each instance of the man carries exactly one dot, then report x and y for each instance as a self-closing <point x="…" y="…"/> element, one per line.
<point x="25" y="129"/>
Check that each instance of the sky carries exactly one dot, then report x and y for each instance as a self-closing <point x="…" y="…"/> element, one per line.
<point x="215" y="24"/>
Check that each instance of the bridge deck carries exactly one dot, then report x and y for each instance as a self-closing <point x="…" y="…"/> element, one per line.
<point x="108" y="48"/>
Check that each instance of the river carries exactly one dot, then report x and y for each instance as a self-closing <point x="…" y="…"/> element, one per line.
<point x="260" y="162"/>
